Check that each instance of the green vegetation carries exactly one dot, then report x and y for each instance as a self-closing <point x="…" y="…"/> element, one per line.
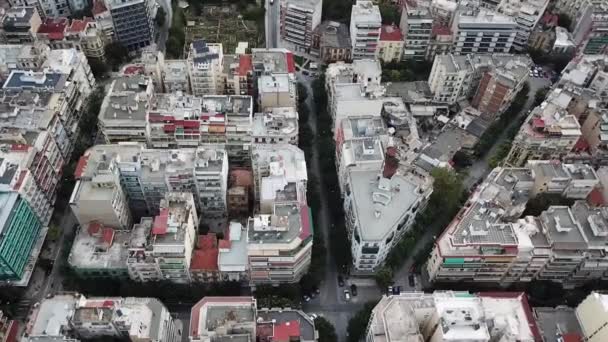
<point x="337" y="10"/>
<point x="326" y="149"/>
<point x="406" y="71"/>
<point x="390" y="13"/>
<point x="500" y="154"/>
<point x="282" y="296"/>
<point x="177" y="37"/>
<point x="543" y="201"/>
<point x="327" y="332"/>
<point x="116" y="54"/>
<point x="446" y="200"/>
<point x="557" y="61"/>
<point x="540" y="96"/>
<point x="489" y="137"/>
<point x="161" y="17"/>
<point x="384" y="277"/>
<point x="564" y="21"/>
<point x="358" y="324"/>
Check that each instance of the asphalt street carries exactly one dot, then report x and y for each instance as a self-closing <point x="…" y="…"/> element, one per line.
<point x="272" y="23"/>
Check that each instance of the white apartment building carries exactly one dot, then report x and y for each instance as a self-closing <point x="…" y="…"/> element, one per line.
<point x="483" y="31"/>
<point x="526" y="15"/>
<point x="489" y="242"/>
<point x="549" y="132"/>
<point x="211" y="179"/>
<point x="416" y="26"/>
<point x="592" y="315"/>
<point x="122" y="116"/>
<point x="453" y="316"/>
<point x="365" y="26"/>
<point x="298" y="20"/>
<point x="166" y="247"/>
<point x="72" y="316"/>
<point x="275" y="126"/>
<point x="380" y="207"/>
<point x="450" y="78"/>
<point x="233" y="262"/>
<point x="175" y="76"/>
<point x="276" y="90"/>
<point x="205" y="63"/>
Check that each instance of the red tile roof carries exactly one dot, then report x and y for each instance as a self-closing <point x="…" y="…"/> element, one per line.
<point x="20" y="147"/>
<point x="99" y="7"/>
<point x="94" y="227"/>
<point x="581" y="145"/>
<point x="133" y="69"/>
<point x="205" y="256"/>
<point x="241" y="177"/>
<point x="53" y="27"/>
<point x="107" y="236"/>
<point x="245" y="65"/>
<point x="160" y="222"/>
<point x="572" y="337"/>
<point x="550" y="19"/>
<point x="81" y="166"/>
<point x="283" y="332"/>
<point x="291" y="64"/>
<point x="224" y="244"/>
<point x="596" y="198"/>
<point x="440" y="30"/>
<point x="79" y="25"/>
<point x="390" y="33"/>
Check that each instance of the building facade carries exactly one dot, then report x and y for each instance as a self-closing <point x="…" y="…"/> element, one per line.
<point x="365" y="27"/>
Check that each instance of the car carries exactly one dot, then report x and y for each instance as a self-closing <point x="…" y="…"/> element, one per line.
<point x="346" y="295"/>
<point x="353" y="289"/>
<point x="411" y="280"/>
<point x="313" y="316"/>
<point x="396" y="290"/>
<point x="306" y="298"/>
<point x="390" y="290"/>
<point x="340" y="281"/>
<point x="316" y="290"/>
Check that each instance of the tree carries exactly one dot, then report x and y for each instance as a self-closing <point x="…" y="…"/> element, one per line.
<point x="564" y="21"/>
<point x="389" y="13"/>
<point x="384" y="277"/>
<point x="116" y="54"/>
<point x="337" y="10"/>
<point x="358" y="324"/>
<point x="461" y="160"/>
<point x="53" y="233"/>
<point x="327" y="332"/>
<point x="542" y="202"/>
<point x="161" y="17"/>
<point x="98" y="68"/>
<point x="540" y="96"/>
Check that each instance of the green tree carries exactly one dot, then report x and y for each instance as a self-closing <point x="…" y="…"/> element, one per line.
<point x="337" y="10"/>
<point x="116" y="54"/>
<point x="53" y="233"/>
<point x="384" y="277"/>
<point x="98" y="68"/>
<point x="358" y="324"/>
<point x="542" y="202"/>
<point x="540" y="96"/>
<point x="327" y="332"/>
<point x="161" y="17"/>
<point x="389" y="13"/>
<point x="564" y="21"/>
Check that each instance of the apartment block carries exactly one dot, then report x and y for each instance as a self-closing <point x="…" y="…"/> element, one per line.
<point x="365" y="27"/>
<point x="83" y="35"/>
<point x="275" y="126"/>
<point x="233" y="262"/>
<point x="145" y="176"/>
<point x="332" y="40"/>
<point x="549" y="132"/>
<point x="205" y="62"/>
<point x="238" y="75"/>
<point x="175" y="76"/>
<point x="298" y="19"/>
<point x="133" y="22"/>
<point x="19" y="25"/>
<point x="482" y="31"/>
<point x="588" y="25"/>
<point x="238" y="318"/>
<point x="23" y="56"/>
<point x="276" y="91"/>
<point x="122" y="116"/>
<point x="451" y="78"/>
<point x="526" y="15"/>
<point x="390" y="45"/>
<point x="167" y="244"/>
<point x="416" y="26"/>
<point x="489" y="241"/>
<point x="103" y="18"/>
<point x="453" y="316"/>
<point x="73" y="317"/>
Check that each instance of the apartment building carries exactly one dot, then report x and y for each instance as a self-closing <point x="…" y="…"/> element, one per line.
<point x="103" y="18"/>
<point x="72" y="317"/>
<point x="380" y="207"/>
<point x="332" y="40"/>
<point x="450" y="78"/>
<point x="98" y="251"/>
<point x="441" y="41"/>
<point x="588" y="25"/>
<point x="9" y="328"/>
<point x="365" y="27"/>
<point x="133" y="22"/>
<point x="205" y="62"/>
<point x="453" y="316"/>
<point x="275" y="126"/>
<point x="175" y="76"/>
<point x="83" y="35"/>
<point x="122" y="116"/>
<point x="238" y="75"/>
<point x="298" y="20"/>
<point x="19" y="25"/>
<point x="526" y="15"/>
<point x="276" y="91"/>
<point x="482" y="31"/>
<point x="488" y="241"/>
<point x="145" y="176"/>
<point x="233" y="262"/>
<point x="23" y="56"/>
<point x="549" y="132"/>
<point x="238" y="318"/>
<point x="416" y="26"/>
<point x="390" y="45"/>
<point x="282" y="225"/>
<point x="170" y="242"/>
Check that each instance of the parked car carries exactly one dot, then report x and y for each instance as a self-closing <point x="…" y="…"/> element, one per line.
<point x="346" y="295"/>
<point x="313" y="316"/>
<point x="396" y="290"/>
<point x="390" y="290"/>
<point x="411" y="280"/>
<point x="340" y="281"/>
<point x="353" y="289"/>
<point x="316" y="290"/>
<point x="306" y="298"/>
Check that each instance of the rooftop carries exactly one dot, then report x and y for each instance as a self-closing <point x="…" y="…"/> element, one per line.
<point x="274" y="83"/>
<point x="380" y="203"/>
<point x="365" y="12"/>
<point x="390" y="33"/>
<point x="492" y="19"/>
<point x="97" y="247"/>
<point x="275" y="61"/>
<point x="275" y="122"/>
<point x="54" y="28"/>
<point x="287" y="223"/>
<point x="233" y="249"/>
<point x="127" y="100"/>
<point x="555" y="322"/>
<point x="205" y="256"/>
<point x="176" y="70"/>
<point x="35" y="80"/>
<point x="286" y="324"/>
<point x="18" y="17"/>
<point x="228" y="104"/>
<point x="52" y="315"/>
<point x="211" y="313"/>
<point x="334" y="34"/>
